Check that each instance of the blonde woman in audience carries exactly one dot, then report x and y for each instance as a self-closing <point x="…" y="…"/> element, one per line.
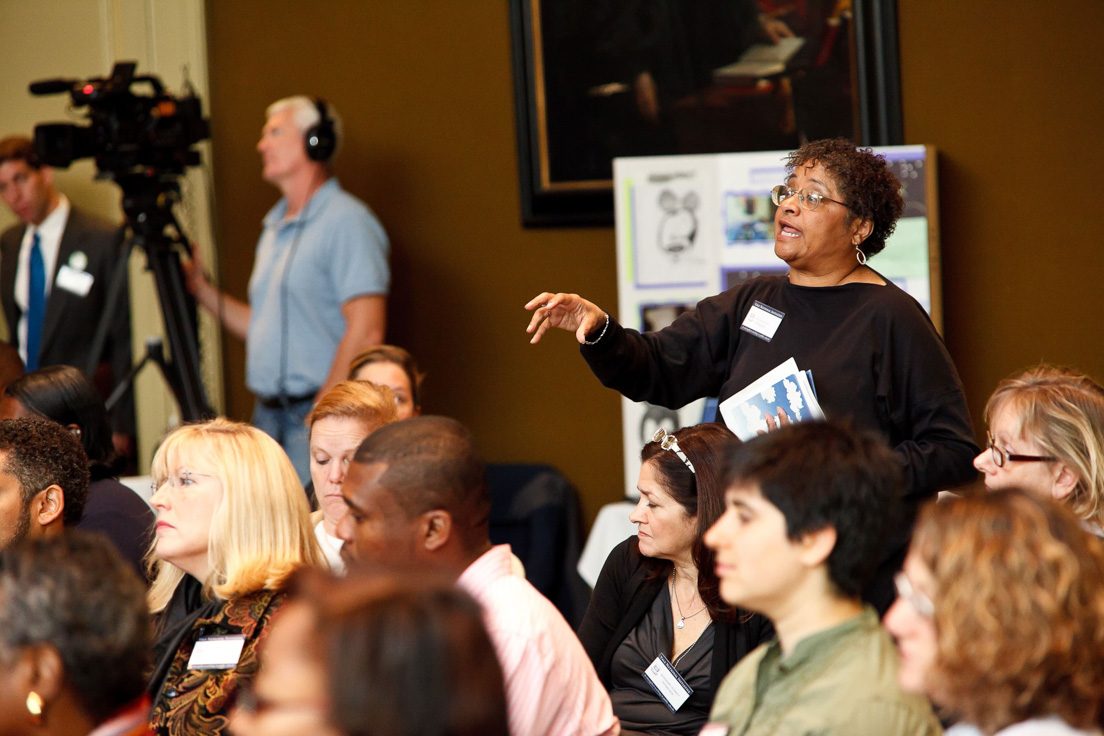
<point x="999" y="616"/>
<point x="1046" y="435"/>
<point x="391" y="366"/>
<point x="232" y="525"/>
<point x="339" y="422"/>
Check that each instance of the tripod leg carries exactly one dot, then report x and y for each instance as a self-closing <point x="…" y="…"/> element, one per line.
<point x="111" y="307"/>
<point x="180" y="327"/>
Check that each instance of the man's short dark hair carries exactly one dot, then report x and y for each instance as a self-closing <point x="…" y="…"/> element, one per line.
<point x="19" y="148"/>
<point x="75" y="593"/>
<point x="41" y="454"/>
<point x="819" y="475"/>
<point x="433" y="464"/>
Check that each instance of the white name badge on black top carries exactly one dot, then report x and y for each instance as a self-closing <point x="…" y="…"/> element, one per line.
<point x="217" y="652"/>
<point x="762" y="321"/>
<point x="667" y="682"/>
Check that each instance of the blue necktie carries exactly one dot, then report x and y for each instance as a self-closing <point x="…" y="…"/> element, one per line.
<point x="36" y="304"/>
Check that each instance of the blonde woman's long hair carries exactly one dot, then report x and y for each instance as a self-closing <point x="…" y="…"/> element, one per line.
<point x="1062" y="411"/>
<point x="260" y="532"/>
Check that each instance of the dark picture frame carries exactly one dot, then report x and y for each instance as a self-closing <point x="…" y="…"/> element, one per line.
<point x="541" y="56"/>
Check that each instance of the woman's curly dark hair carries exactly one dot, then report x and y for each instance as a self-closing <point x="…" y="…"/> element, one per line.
<point x="871" y="191"/>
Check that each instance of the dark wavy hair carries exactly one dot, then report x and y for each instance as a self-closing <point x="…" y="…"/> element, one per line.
<point x="73" y="592"/>
<point x="63" y="394"/>
<point x="41" y="454"/>
<point x="871" y="191"/>
<point x="398" y="356"/>
<point x="820" y="475"/>
<point x="701" y="495"/>
<point x="1019" y="601"/>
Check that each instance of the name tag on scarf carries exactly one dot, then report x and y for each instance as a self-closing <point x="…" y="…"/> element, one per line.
<point x="217" y="652"/>
<point x="667" y="682"/>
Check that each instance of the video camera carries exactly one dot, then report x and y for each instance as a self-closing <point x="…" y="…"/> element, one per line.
<point x="128" y="133"/>
<point x="143" y="143"/>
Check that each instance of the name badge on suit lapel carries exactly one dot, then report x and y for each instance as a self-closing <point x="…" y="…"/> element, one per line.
<point x="74" y="281"/>
<point x="73" y="278"/>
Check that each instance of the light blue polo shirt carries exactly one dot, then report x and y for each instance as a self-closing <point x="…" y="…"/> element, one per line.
<point x="337" y="250"/>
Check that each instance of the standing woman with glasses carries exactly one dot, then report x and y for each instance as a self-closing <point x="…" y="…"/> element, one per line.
<point x="875" y="356"/>
<point x="1046" y="436"/>
<point x="658" y="594"/>
<point x="232" y="526"/>
<point x="998" y="620"/>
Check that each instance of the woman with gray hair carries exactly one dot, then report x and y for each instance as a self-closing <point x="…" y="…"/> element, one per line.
<point x="74" y="639"/>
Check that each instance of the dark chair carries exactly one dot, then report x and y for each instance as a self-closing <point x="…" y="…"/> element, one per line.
<point x="535" y="510"/>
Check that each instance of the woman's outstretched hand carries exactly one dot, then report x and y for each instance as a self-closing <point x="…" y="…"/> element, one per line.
<point x="566" y="311"/>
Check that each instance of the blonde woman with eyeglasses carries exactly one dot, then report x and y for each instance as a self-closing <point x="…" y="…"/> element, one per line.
<point x="658" y="594"/>
<point x="232" y="526"/>
<point x="1046" y="436"/>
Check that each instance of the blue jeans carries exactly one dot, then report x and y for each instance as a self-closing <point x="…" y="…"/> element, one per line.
<point x="286" y="427"/>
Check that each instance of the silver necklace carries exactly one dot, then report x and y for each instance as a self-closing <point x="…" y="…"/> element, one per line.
<point x="682" y="619"/>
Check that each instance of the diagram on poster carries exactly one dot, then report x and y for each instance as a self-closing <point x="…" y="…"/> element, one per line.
<point x="673" y="246"/>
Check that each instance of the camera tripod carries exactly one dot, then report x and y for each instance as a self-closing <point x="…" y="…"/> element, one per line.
<point x="148" y="205"/>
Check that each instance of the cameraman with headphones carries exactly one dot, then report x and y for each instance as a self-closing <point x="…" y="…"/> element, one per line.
<point x="318" y="292"/>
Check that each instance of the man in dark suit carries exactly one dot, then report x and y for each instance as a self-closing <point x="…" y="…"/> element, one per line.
<point x="56" y="268"/>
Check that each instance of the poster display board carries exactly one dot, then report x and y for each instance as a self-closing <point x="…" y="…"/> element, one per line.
<point x="689" y="227"/>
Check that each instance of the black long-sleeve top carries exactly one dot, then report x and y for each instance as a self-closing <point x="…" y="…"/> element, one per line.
<point x="875" y="357"/>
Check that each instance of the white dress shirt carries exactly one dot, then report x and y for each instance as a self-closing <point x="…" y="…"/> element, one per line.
<point x="49" y="242"/>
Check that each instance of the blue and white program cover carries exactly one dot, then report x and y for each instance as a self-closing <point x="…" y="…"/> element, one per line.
<point x="784" y="394"/>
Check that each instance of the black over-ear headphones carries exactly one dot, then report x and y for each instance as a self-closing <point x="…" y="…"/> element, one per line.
<point x="320" y="138"/>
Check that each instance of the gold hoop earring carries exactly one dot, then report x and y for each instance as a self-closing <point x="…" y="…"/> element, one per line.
<point x="35" y="704"/>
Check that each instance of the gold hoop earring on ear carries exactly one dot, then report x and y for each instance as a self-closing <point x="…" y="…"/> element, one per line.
<point x="35" y="705"/>
<point x="860" y="256"/>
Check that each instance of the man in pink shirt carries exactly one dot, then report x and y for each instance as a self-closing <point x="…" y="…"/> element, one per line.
<point x="417" y="494"/>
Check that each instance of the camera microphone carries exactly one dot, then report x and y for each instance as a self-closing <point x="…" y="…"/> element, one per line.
<point x="52" y="86"/>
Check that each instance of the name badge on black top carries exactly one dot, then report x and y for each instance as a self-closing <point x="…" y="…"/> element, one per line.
<point x="667" y="682"/>
<point x="217" y="652"/>
<point x="762" y="321"/>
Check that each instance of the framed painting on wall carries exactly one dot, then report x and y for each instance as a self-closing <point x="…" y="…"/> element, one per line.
<point x="600" y="79"/>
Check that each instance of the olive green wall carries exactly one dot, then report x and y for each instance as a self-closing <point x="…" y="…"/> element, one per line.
<point x="1010" y="93"/>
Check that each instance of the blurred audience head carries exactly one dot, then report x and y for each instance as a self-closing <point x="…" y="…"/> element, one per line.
<point x="63" y="394"/>
<point x="11" y="365"/>
<point x="1046" y="435"/>
<point x="416" y="491"/>
<point x="74" y="634"/>
<point x="43" y="479"/>
<point x="230" y="512"/>
<point x="999" y="612"/>
<point x="376" y="656"/>
<point x="339" y="422"/>
<point x="391" y="366"/>
<point x="808" y="508"/>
